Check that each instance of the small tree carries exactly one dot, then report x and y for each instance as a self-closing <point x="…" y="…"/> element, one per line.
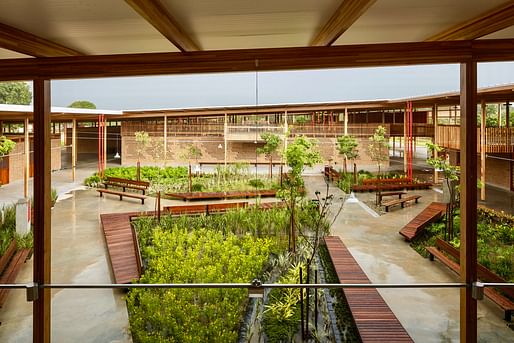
<point x="272" y="143"/>
<point x="378" y="147"/>
<point x="302" y="153"/>
<point x="142" y="143"/>
<point x="192" y="152"/>
<point x="347" y="146"/>
<point x="82" y="104"/>
<point x="16" y="93"/>
<point x="451" y="177"/>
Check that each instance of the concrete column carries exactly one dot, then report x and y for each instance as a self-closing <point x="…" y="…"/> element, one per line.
<point x="26" y="171"/>
<point x="23" y="216"/>
<point x="482" y="149"/>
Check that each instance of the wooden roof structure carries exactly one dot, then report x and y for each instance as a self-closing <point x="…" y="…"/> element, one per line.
<point x="54" y="39"/>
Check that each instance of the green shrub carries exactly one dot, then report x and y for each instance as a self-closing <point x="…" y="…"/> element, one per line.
<point x="93" y="181"/>
<point x="196" y="187"/>
<point x="199" y="256"/>
<point x="256" y="183"/>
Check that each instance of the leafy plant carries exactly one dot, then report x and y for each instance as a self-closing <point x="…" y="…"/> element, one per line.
<point x="6" y="146"/>
<point x="347" y="147"/>
<point x="272" y="142"/>
<point x="378" y="147"/>
<point x="190" y="315"/>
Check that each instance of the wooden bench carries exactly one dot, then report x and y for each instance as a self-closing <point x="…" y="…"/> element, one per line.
<point x="391" y="187"/>
<point x="401" y="202"/>
<point x="373" y="318"/>
<point x="11" y="261"/>
<point x="122" y="194"/>
<point x="186" y="196"/>
<point x="186" y="209"/>
<point x="224" y="207"/>
<point x="380" y="195"/>
<point x="124" y="184"/>
<point x="204" y="208"/>
<point x="443" y="251"/>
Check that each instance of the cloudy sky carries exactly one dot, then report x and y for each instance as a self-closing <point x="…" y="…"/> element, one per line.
<point x="272" y="87"/>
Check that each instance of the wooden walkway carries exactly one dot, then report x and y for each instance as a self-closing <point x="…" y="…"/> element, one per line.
<point x="430" y="214"/>
<point x="374" y="319"/>
<point x="121" y="242"/>
<point x="123" y="253"/>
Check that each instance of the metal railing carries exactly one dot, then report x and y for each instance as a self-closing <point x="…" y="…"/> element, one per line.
<point x="32" y="288"/>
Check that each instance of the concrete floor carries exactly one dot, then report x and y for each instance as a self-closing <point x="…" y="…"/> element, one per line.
<point x="79" y="256"/>
<point x="429" y="315"/>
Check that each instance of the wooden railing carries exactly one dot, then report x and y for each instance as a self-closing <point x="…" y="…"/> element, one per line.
<point x="498" y="139"/>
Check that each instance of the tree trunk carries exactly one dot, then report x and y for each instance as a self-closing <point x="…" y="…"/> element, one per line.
<point x="190" y="184"/>
<point x="138" y="171"/>
<point x="271" y="167"/>
<point x="344" y="165"/>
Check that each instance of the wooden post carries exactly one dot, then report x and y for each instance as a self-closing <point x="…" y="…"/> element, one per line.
<point x="507" y="114"/>
<point x="435" y="140"/>
<point x="468" y="202"/>
<point x="482" y="149"/>
<point x="26" y="171"/>
<point x="74" y="149"/>
<point x="225" y="131"/>
<point x="105" y="145"/>
<point x="345" y="121"/>
<point x="165" y="138"/>
<point x="499" y="115"/>
<point x="42" y="215"/>
<point x="405" y="128"/>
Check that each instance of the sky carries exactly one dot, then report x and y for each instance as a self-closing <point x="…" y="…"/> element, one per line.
<point x="233" y="89"/>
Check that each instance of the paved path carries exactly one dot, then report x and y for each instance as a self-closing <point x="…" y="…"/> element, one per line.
<point x="429" y="315"/>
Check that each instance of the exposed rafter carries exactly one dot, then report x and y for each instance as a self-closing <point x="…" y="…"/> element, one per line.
<point x="340" y="56"/>
<point x="345" y="15"/>
<point x="159" y="17"/>
<point x="32" y="45"/>
<point x="486" y="23"/>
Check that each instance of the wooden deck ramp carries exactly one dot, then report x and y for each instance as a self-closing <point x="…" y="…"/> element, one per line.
<point x="374" y="319"/>
<point x="123" y="253"/>
<point x="430" y="214"/>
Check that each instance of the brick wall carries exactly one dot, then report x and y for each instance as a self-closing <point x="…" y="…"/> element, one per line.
<point x="17" y="159"/>
<point x="236" y="151"/>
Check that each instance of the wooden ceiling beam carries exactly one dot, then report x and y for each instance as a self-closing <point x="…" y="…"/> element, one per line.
<point x="345" y="15"/>
<point x="31" y="45"/>
<point x="495" y="20"/>
<point x="159" y="17"/>
<point x="342" y="56"/>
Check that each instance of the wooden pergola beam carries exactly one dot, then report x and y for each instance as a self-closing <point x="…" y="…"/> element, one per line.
<point x="344" y="17"/>
<point x="341" y="56"/>
<point x="32" y="45"/>
<point x="159" y="17"/>
<point x="495" y="20"/>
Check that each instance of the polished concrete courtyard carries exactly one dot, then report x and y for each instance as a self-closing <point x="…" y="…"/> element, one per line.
<point x="79" y="255"/>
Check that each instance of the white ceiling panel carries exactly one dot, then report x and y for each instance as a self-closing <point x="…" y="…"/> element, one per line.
<point x="505" y="33"/>
<point x="90" y="26"/>
<point x="10" y="54"/>
<point x="393" y="21"/>
<point x="236" y="24"/>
